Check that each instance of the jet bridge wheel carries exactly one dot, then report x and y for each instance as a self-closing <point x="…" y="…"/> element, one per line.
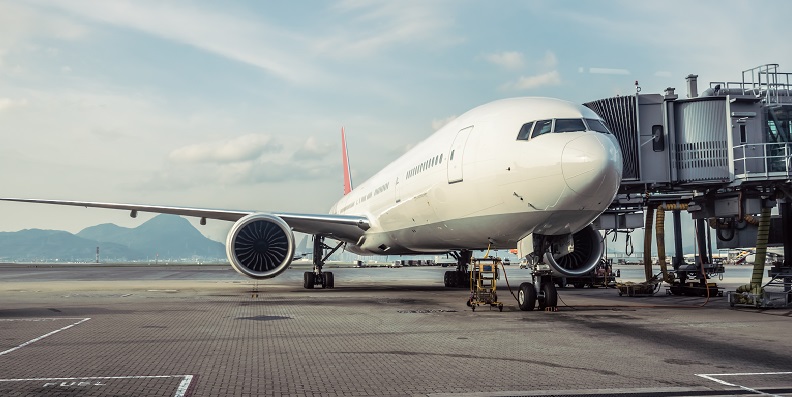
<point x="526" y="297"/>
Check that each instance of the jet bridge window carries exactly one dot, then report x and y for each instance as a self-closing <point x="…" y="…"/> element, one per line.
<point x="569" y="125"/>
<point x="525" y="132"/>
<point x="542" y="127"/>
<point x="596" y="125"/>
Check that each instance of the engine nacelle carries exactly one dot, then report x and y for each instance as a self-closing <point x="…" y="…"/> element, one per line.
<point x="260" y="246"/>
<point x="576" y="255"/>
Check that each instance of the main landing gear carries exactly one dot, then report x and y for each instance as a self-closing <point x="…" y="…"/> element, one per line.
<point x="317" y="277"/>
<point x="542" y="290"/>
<point x="459" y="278"/>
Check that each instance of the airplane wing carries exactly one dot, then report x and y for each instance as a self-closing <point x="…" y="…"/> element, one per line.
<point x="344" y="227"/>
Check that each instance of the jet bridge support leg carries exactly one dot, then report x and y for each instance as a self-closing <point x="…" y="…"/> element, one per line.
<point x="317" y="276"/>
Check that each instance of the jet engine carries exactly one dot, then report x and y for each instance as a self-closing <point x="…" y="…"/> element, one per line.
<point x="575" y="254"/>
<point x="260" y="246"/>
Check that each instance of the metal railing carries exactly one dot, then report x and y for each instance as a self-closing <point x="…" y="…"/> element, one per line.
<point x="763" y="161"/>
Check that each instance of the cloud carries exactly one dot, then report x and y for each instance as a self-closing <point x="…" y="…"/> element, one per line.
<point x="8" y="103"/>
<point x="530" y="82"/>
<point x="240" y="149"/>
<point x="372" y="27"/>
<point x="506" y="59"/>
<point x="608" y="71"/>
<point x="235" y="37"/>
<point x="440" y="123"/>
<point x="549" y="61"/>
<point x="312" y="150"/>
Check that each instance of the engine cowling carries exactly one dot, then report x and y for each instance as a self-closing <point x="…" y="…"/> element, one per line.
<point x="260" y="246"/>
<point x="576" y="255"/>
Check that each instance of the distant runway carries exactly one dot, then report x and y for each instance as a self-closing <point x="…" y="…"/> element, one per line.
<point x="206" y="331"/>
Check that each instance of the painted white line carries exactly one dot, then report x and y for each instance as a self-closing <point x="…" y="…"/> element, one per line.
<point x="180" y="391"/>
<point x="748" y="374"/>
<point x="723" y="382"/>
<point x="42" y="337"/>
<point x="183" y="386"/>
<point x="42" y="319"/>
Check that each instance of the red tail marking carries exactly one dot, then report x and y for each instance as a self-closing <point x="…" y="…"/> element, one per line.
<point x="345" y="162"/>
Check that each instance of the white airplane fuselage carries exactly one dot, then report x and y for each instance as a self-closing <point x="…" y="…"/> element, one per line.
<point x="473" y="184"/>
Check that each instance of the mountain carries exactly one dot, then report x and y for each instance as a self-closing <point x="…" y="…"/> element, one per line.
<point x="45" y="245"/>
<point x="168" y="237"/>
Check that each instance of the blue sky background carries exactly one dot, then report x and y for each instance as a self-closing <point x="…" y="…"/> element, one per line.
<point x="239" y="104"/>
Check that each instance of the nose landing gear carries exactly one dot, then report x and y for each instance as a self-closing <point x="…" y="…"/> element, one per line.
<point x="541" y="290"/>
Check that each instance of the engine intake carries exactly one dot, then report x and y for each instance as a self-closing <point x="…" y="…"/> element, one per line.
<point x="576" y="255"/>
<point x="260" y="246"/>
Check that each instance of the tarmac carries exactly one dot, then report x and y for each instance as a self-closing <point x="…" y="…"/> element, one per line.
<point x="96" y="330"/>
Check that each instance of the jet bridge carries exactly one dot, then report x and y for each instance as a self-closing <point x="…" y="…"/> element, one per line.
<point x="723" y="154"/>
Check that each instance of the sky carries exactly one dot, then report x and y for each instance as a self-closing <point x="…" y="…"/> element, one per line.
<point x="239" y="105"/>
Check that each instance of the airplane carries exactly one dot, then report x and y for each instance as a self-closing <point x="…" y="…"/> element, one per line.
<point x="529" y="172"/>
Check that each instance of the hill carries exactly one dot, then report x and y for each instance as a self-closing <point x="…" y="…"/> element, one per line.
<point x="47" y="245"/>
<point x="168" y="237"/>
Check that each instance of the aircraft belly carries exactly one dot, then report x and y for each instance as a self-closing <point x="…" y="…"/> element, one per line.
<point x="475" y="232"/>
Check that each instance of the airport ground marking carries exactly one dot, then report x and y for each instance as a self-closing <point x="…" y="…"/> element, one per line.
<point x="181" y="390"/>
<point x="34" y="340"/>
<point x="713" y="378"/>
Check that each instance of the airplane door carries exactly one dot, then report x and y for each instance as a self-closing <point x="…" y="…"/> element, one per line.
<point x="455" y="155"/>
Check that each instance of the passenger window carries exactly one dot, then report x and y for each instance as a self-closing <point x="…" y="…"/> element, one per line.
<point x="525" y="132"/>
<point x="542" y="127"/>
<point x="596" y="125"/>
<point x="569" y="125"/>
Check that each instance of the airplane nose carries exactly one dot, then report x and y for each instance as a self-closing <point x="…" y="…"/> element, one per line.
<point x="591" y="164"/>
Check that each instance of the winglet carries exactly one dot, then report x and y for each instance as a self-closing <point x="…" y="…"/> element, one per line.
<point x="345" y="162"/>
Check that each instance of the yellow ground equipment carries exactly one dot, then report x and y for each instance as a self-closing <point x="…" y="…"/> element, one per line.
<point x="646" y="288"/>
<point x="483" y="283"/>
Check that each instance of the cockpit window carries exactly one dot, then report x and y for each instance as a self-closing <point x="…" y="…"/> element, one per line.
<point x="525" y="131"/>
<point x="596" y="125"/>
<point x="542" y="127"/>
<point x="569" y="125"/>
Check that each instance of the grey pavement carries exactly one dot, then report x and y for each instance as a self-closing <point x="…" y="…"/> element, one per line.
<point x="83" y="330"/>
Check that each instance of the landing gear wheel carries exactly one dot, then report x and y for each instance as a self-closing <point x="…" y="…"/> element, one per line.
<point x="448" y="280"/>
<point x="308" y="280"/>
<point x="579" y="285"/>
<point x="526" y="297"/>
<point x="323" y="280"/>
<point x="329" y="280"/>
<point x="462" y="279"/>
<point x="500" y="308"/>
<point x="548" y="297"/>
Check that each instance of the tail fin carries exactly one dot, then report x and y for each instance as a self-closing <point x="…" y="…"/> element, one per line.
<point x="345" y="162"/>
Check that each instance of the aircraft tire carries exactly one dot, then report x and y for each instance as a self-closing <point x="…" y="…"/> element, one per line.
<point x="449" y="279"/>
<point x="309" y="280"/>
<point x="526" y="297"/>
<point x="549" y="296"/>
<point x="330" y="280"/>
<point x="461" y="279"/>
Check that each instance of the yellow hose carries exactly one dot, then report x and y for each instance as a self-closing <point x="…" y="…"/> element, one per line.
<point x="647" y="258"/>
<point x="761" y="250"/>
<point x="660" y="227"/>
<point x="660" y="238"/>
